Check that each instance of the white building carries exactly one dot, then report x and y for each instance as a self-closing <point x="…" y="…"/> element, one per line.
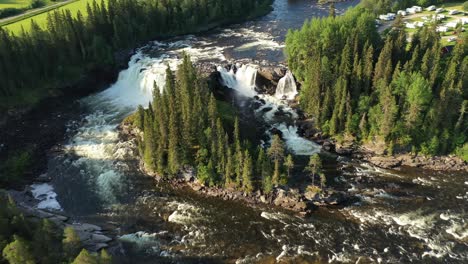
<point x="431" y="8"/>
<point x="420" y="24"/>
<point x="410" y="25"/>
<point x="451" y="24"/>
<point x="417" y="8"/>
<point x="387" y="17"/>
<point x="464" y="20"/>
<point x="441" y="29"/>
<point x="410" y="10"/>
<point x="401" y="12"/>
<point x="439" y="10"/>
<point x="453" y="12"/>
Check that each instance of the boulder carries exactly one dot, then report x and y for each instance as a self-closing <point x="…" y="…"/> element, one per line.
<point x="272" y="73"/>
<point x="385" y="162"/>
<point x="98" y="238"/>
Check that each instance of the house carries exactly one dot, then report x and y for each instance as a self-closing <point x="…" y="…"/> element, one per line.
<point x="387" y="17"/>
<point x="410" y="10"/>
<point x="439" y="10"/>
<point x="401" y="12"/>
<point x="420" y="24"/>
<point x="410" y="25"/>
<point x="451" y="24"/>
<point x="453" y="12"/>
<point x="464" y="20"/>
<point x="452" y="39"/>
<point x="431" y="8"/>
<point x="441" y="29"/>
<point x="417" y="9"/>
<point x="438" y="17"/>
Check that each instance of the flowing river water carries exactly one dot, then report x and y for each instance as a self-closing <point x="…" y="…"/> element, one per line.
<point x="403" y="216"/>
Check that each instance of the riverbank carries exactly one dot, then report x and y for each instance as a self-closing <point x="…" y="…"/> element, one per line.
<point x="380" y="159"/>
<point x="92" y="237"/>
<point x="19" y="133"/>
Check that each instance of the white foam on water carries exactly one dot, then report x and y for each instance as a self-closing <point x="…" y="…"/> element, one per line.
<point x="287" y="87"/>
<point x="184" y="213"/>
<point x="44" y="192"/>
<point x="243" y="80"/>
<point x="298" y="145"/>
<point x="422" y="181"/>
<point x="143" y="240"/>
<point x="419" y="226"/>
<point x="258" y="40"/>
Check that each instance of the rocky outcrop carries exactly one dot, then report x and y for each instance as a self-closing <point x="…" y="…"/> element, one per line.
<point x="268" y="77"/>
<point x="91" y="236"/>
<point x="444" y="163"/>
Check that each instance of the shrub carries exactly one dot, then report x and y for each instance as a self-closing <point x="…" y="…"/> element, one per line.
<point x="15" y="166"/>
<point x="9" y="12"/>
<point x="38" y="3"/>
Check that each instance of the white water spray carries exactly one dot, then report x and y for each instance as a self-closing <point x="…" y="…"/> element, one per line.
<point x="287" y="88"/>
<point x="243" y="80"/>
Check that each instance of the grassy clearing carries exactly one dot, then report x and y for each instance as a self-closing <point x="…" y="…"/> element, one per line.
<point x="41" y="19"/>
<point x="14" y="3"/>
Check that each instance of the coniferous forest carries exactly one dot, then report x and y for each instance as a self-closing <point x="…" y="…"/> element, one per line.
<point x="181" y="132"/>
<point x="35" y="63"/>
<point x="410" y="94"/>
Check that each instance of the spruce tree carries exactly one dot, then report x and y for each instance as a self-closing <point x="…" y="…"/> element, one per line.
<point x="289" y="164"/>
<point x="247" y="173"/>
<point x="314" y="167"/>
<point x="276" y="153"/>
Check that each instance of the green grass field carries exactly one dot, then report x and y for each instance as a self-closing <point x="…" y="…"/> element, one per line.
<point x="14" y="3"/>
<point x="41" y="18"/>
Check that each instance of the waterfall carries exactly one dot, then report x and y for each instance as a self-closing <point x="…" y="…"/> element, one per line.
<point x="296" y="143"/>
<point x="287" y="88"/>
<point x="142" y="73"/>
<point x="243" y="80"/>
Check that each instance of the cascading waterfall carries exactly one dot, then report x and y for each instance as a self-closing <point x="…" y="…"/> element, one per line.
<point x="298" y="144"/>
<point x="243" y="80"/>
<point x="143" y="72"/>
<point x="287" y="88"/>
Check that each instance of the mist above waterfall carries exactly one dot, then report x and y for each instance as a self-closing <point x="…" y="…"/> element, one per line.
<point x="287" y="88"/>
<point x="242" y="80"/>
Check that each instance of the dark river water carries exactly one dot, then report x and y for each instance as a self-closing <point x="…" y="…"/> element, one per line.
<point x="405" y="216"/>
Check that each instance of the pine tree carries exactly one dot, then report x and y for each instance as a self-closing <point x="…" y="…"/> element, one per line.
<point x="247" y="173"/>
<point x="314" y="167"/>
<point x="104" y="257"/>
<point x="18" y="252"/>
<point x="289" y="164"/>
<point x="71" y="243"/>
<point x="85" y="258"/>
<point x="276" y="153"/>
<point x="332" y="12"/>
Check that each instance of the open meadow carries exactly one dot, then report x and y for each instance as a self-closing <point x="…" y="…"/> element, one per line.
<point x="41" y="18"/>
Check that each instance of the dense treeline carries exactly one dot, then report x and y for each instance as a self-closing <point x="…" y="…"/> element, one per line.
<point x="183" y="129"/>
<point x="25" y="241"/>
<point x="382" y="6"/>
<point x="412" y="96"/>
<point x="32" y="63"/>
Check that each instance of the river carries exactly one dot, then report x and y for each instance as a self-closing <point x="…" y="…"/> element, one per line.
<point x="403" y="216"/>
